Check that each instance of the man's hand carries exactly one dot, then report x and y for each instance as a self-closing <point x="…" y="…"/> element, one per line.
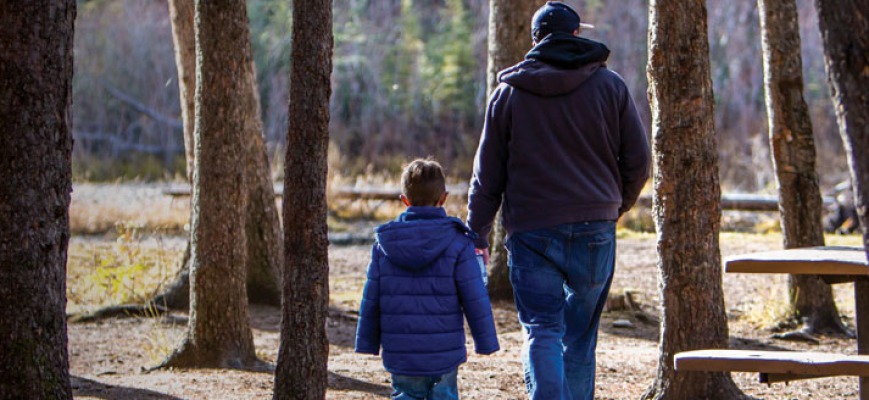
<point x="484" y="253"/>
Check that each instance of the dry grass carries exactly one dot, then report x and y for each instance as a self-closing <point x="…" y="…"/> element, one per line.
<point x="98" y="208"/>
<point x="127" y="269"/>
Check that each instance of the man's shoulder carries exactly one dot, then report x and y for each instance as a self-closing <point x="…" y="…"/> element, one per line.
<point x="605" y="73"/>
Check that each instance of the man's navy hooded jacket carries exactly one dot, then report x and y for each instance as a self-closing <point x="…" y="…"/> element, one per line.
<point x="423" y="280"/>
<point x="562" y="142"/>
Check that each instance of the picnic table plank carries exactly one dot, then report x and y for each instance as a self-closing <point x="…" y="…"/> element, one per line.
<point x="826" y="260"/>
<point x="788" y="363"/>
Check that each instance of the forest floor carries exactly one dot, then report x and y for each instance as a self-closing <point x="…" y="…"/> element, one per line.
<point x="108" y="358"/>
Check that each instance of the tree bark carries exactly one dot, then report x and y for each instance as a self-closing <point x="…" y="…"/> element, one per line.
<point x="262" y="224"/>
<point x="36" y="67"/>
<point x="176" y="296"/>
<point x="686" y="199"/>
<point x="219" y="333"/>
<point x="844" y="28"/>
<point x="509" y="40"/>
<point x="793" y="156"/>
<point x="265" y="247"/>
<point x="181" y="13"/>
<point x="304" y="350"/>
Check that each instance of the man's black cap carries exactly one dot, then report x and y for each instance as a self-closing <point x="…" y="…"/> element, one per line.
<point x="555" y="16"/>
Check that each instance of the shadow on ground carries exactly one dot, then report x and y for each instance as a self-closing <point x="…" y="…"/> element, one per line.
<point x="82" y="387"/>
<point x="346" y="384"/>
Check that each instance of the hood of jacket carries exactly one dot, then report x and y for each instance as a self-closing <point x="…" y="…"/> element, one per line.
<point x="419" y="236"/>
<point x="557" y="65"/>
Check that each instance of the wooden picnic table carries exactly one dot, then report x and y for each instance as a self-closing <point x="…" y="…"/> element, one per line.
<point x="834" y="264"/>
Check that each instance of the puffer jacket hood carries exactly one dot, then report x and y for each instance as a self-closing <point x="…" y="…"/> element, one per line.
<point x="557" y="65"/>
<point x="419" y="236"/>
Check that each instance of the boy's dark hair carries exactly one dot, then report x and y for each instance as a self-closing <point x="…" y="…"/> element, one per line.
<point x="423" y="182"/>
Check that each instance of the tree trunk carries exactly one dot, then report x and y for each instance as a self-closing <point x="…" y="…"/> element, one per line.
<point x="219" y="333"/>
<point x="304" y="350"/>
<point x="181" y="13"/>
<point x="793" y="156"/>
<point x="509" y="40"/>
<point x="36" y="66"/>
<point x="687" y="199"/>
<point x="509" y="35"/>
<point x="262" y="224"/>
<point x="844" y="28"/>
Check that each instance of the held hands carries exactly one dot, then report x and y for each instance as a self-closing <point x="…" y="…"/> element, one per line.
<point x="484" y="253"/>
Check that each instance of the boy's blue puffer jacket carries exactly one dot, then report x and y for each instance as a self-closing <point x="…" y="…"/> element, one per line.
<point x="422" y="277"/>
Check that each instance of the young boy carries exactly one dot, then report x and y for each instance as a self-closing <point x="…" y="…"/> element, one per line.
<point x="422" y="278"/>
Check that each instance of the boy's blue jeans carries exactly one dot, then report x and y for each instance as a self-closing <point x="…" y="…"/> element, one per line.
<point x="442" y="387"/>
<point x="561" y="277"/>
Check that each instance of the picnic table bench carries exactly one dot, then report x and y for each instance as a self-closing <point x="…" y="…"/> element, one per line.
<point x="774" y="366"/>
<point x="835" y="264"/>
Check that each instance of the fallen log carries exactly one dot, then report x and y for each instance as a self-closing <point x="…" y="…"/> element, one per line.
<point x="729" y="201"/>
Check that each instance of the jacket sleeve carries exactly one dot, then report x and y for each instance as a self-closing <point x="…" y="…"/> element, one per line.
<point x="490" y="167"/>
<point x="368" y="327"/>
<point x="634" y="153"/>
<point x="475" y="302"/>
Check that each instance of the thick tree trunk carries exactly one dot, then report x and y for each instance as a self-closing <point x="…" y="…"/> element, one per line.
<point x="509" y="40"/>
<point x="302" y="358"/>
<point x="36" y="63"/>
<point x="509" y="35"/>
<point x="219" y="333"/>
<point x="793" y="156"/>
<point x="687" y="205"/>
<point x="844" y="28"/>
<point x="262" y="225"/>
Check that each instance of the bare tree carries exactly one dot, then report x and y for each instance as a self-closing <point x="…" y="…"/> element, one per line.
<point x="845" y="32"/>
<point x="509" y="40"/>
<point x="219" y="333"/>
<point x="261" y="223"/>
<point x="36" y="48"/>
<point x="262" y="226"/>
<point x="793" y="156"/>
<point x="687" y="199"/>
<point x="181" y="13"/>
<point x="844" y="28"/>
<point x="301" y="371"/>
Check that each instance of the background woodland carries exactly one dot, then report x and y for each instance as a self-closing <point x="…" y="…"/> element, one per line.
<point x="409" y="80"/>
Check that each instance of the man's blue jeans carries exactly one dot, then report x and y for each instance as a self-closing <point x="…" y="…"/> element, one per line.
<point x="561" y="277"/>
<point x="444" y="387"/>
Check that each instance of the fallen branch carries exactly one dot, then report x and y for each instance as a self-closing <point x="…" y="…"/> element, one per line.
<point x="119" y="311"/>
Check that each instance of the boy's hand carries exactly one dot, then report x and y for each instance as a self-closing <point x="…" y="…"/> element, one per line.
<point x="484" y="253"/>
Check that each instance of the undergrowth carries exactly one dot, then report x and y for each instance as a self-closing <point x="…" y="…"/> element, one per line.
<point x="129" y="269"/>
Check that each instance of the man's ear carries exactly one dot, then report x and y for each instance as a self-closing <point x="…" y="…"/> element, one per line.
<point x="443" y="199"/>
<point x="404" y="200"/>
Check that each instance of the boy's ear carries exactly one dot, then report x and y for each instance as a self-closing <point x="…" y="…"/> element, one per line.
<point x="404" y="200"/>
<point x="443" y="199"/>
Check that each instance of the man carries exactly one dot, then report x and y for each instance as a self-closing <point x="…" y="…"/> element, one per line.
<point x="564" y="148"/>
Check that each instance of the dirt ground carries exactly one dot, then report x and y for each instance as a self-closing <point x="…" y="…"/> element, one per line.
<point x="107" y="358"/>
